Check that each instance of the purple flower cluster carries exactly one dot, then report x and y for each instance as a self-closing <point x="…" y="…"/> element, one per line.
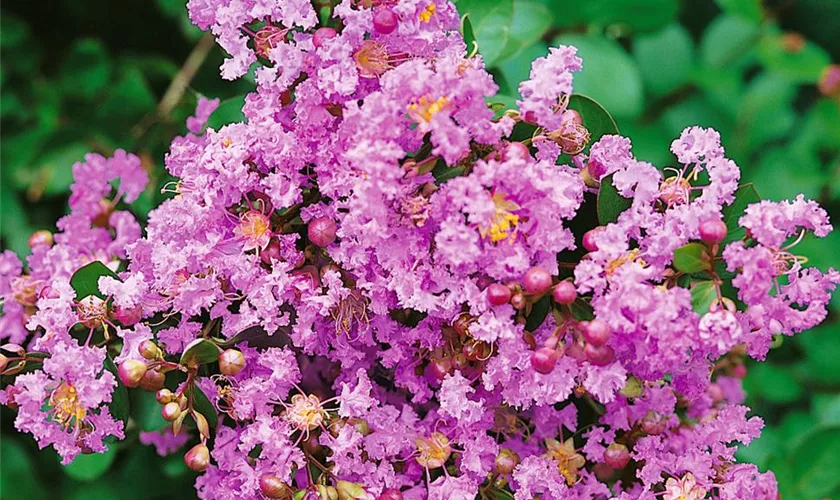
<point x="375" y="287"/>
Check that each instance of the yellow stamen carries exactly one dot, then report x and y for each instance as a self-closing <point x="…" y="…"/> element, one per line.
<point x="425" y="109"/>
<point x="66" y="408"/>
<point x="427" y="13"/>
<point x="504" y="223"/>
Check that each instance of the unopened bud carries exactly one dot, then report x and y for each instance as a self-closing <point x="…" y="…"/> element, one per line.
<point x="231" y="362"/>
<point x="152" y="381"/>
<point x="506" y="461"/>
<point x="164" y="396"/>
<point x="170" y="411"/>
<point x="272" y="486"/>
<point x="830" y="81"/>
<point x="616" y="456"/>
<point x="131" y="372"/>
<point x="198" y="458"/>
<point x="41" y="238"/>
<point x="149" y="350"/>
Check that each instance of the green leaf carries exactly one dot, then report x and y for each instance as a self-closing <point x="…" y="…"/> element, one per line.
<point x="665" y="58"/>
<point x="55" y="167"/>
<point x="518" y="69"/>
<point x="538" y="314"/>
<point x="530" y="21"/>
<point x="85" y="281"/>
<point x="745" y="195"/>
<point x="13" y="30"/>
<point x="691" y="258"/>
<point x="147" y="411"/>
<point x="804" y="65"/>
<point x="749" y="10"/>
<point x="491" y="24"/>
<point x="814" y="464"/>
<point x="766" y="111"/>
<point x="91" y="466"/>
<point x="119" y="406"/>
<point x="595" y="117"/>
<point x="729" y="41"/>
<point x="772" y="383"/>
<point x="783" y="173"/>
<point x="229" y="111"/>
<point x="702" y="295"/>
<point x="202" y="403"/>
<point x="607" y="63"/>
<point x="200" y="351"/>
<point x="86" y="69"/>
<point x="18" y="476"/>
<point x="469" y="34"/>
<point x="610" y="202"/>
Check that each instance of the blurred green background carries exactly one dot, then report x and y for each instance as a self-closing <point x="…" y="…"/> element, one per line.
<point x="97" y="75"/>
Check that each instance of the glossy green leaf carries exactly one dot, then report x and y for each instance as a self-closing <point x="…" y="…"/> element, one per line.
<point x="691" y="258"/>
<point x="199" y="351"/>
<point x="594" y="116"/>
<point x="85" y="281"/>
<point x="745" y="195"/>
<point x="88" y="467"/>
<point x="607" y="63"/>
<point x="703" y="293"/>
<point x="538" y="314"/>
<point x="803" y="65"/>
<point x="491" y="25"/>
<point x="229" y="111"/>
<point x="202" y="403"/>
<point x="772" y="383"/>
<point x="119" y="406"/>
<point x="610" y="202"/>
<point x="469" y="34"/>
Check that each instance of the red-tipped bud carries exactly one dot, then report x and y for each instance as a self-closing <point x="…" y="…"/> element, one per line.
<point x="518" y="301"/>
<point x="506" y="461"/>
<point x="616" y="456"/>
<point x="271" y="252"/>
<point x="152" y="381"/>
<point x="272" y="486"/>
<point x="713" y="231"/>
<point x="596" y="332"/>
<point x="231" y="362"/>
<point x="164" y="396"/>
<point x="599" y="355"/>
<point x="589" y="240"/>
<point x="739" y="371"/>
<point x="654" y="423"/>
<point x="198" y="458"/>
<point x="131" y="372"/>
<point x="322" y="35"/>
<point x="536" y="281"/>
<point x="127" y="316"/>
<point x="830" y="81"/>
<point x="171" y="411"/>
<point x="385" y="21"/>
<point x="390" y="494"/>
<point x="564" y="293"/>
<point x="498" y="294"/>
<point x="149" y="350"/>
<point x="516" y="151"/>
<point x="544" y="360"/>
<point x="321" y="231"/>
<point x="41" y="238"/>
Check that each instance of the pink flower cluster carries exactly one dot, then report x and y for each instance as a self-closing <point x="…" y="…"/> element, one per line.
<point x="377" y="288"/>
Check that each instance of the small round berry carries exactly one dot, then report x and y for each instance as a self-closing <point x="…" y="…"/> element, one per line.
<point x="564" y="292"/>
<point x="544" y="359"/>
<point x="385" y="21"/>
<point x="321" y="35"/>
<point x="599" y="355"/>
<point x="273" y="487"/>
<point x="536" y="281"/>
<point x="506" y="461"/>
<point x="321" y="231"/>
<point x="713" y="231"/>
<point x="596" y="332"/>
<point x="164" y="396"/>
<point x="131" y="372"/>
<point x="390" y="494"/>
<point x="231" y="362"/>
<point x="41" y="238"/>
<point x="498" y="294"/>
<point x="198" y="458"/>
<point x="171" y="411"/>
<point x="616" y="456"/>
<point x="589" y="240"/>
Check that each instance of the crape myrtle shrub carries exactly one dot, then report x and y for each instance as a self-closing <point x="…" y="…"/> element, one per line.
<point x="378" y="286"/>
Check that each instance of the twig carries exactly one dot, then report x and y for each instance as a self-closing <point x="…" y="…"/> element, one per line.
<point x="182" y="79"/>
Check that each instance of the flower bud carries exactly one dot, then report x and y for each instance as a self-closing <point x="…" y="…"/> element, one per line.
<point x="713" y="231"/>
<point x="131" y="372"/>
<point x="385" y="21"/>
<point x="498" y="294"/>
<point x="271" y="252"/>
<point x="518" y="301"/>
<point x="231" y="362"/>
<point x="599" y="355"/>
<point x="536" y="281"/>
<point x="516" y="150"/>
<point x="739" y="371"/>
<point x="127" y="316"/>
<point x="350" y="491"/>
<point x="572" y="117"/>
<point x="3" y="362"/>
<point x="544" y="359"/>
<point x="198" y="458"/>
<point x="272" y="486"/>
<point x="506" y="461"/>
<point x="596" y="332"/>
<point x="321" y="231"/>
<point x="149" y="350"/>
<point x="437" y="369"/>
<point x="616" y="456"/>
<point x="152" y="381"/>
<point x="589" y="240"/>
<point x="41" y="238"/>
<point x="564" y="292"/>
<point x="171" y="411"/>
<point x="830" y="81"/>
<point x="164" y="396"/>
<point x="654" y="423"/>
<point x="390" y="494"/>
<point x="321" y="35"/>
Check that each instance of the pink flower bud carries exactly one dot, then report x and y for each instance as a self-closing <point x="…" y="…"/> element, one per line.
<point x="131" y="371"/>
<point x="272" y="486"/>
<point x="41" y="238"/>
<point x="321" y="35"/>
<point x="506" y="461"/>
<point x="536" y="281"/>
<point x="599" y="355"/>
<point x="321" y="231"/>
<point x="544" y="359"/>
<point x="171" y="411"/>
<point x="830" y="81"/>
<point x="713" y="231"/>
<point x="616" y="456"/>
<point x="564" y="293"/>
<point x="385" y="21"/>
<point x="516" y="150"/>
<point x="390" y="494"/>
<point x="498" y="294"/>
<point x="149" y="350"/>
<point x="198" y="458"/>
<point x="596" y="332"/>
<point x="152" y="381"/>
<point x="231" y="362"/>
<point x="589" y="240"/>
